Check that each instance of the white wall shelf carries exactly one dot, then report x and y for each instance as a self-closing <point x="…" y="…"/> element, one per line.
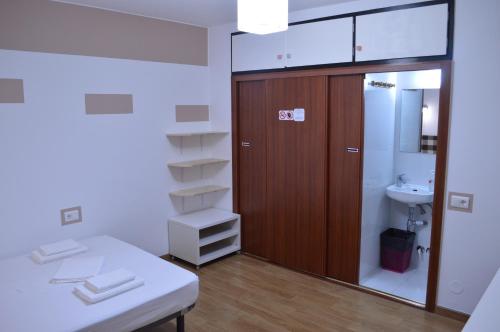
<point x="197" y="162"/>
<point x="180" y="136"/>
<point x="198" y="133"/>
<point x="197" y="191"/>
<point x="205" y="235"/>
<point x="216" y="237"/>
<point x="221" y="250"/>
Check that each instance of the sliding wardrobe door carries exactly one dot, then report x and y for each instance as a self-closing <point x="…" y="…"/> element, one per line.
<point x="296" y="172"/>
<point x="256" y="232"/>
<point x="345" y="101"/>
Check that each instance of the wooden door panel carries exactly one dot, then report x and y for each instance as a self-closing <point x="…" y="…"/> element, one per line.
<point x="296" y="173"/>
<point x="344" y="184"/>
<point x="256" y="231"/>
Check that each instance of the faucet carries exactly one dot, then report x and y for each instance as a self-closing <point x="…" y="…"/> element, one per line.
<point x="400" y="180"/>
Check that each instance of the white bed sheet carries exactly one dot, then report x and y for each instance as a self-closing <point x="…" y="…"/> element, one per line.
<point x="485" y="316"/>
<point x="28" y="302"/>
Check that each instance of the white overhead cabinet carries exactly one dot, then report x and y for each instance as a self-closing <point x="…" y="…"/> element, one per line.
<point x="414" y="32"/>
<point x="256" y="52"/>
<point x="382" y="35"/>
<point x="307" y="44"/>
<point x="318" y="43"/>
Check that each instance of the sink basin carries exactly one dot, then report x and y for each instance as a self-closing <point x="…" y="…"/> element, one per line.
<point x="410" y="194"/>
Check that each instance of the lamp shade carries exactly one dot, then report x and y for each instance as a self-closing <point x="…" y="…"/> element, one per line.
<point x="262" y="16"/>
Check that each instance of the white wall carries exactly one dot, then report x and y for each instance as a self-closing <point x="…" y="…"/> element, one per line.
<point x="219" y="62"/>
<point x="470" y="241"/>
<point x="55" y="156"/>
<point x="471" y="245"/>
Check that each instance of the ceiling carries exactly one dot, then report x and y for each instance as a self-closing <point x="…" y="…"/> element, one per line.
<point x="204" y="13"/>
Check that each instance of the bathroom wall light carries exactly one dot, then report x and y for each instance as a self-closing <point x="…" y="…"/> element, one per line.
<point x="426" y="116"/>
<point x="262" y="16"/>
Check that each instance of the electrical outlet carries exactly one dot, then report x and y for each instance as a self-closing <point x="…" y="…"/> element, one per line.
<point x="71" y="215"/>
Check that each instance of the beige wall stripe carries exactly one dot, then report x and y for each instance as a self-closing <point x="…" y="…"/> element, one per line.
<point x="53" y="27"/>
<point x="191" y="113"/>
<point x="11" y="90"/>
<point x="108" y="104"/>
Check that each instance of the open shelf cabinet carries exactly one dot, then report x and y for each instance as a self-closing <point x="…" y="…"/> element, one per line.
<point x="202" y="236"/>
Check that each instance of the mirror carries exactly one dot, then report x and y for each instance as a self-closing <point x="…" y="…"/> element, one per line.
<point x="419" y="120"/>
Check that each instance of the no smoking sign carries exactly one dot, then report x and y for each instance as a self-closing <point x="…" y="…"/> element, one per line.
<point x="285" y="115"/>
<point x="291" y="115"/>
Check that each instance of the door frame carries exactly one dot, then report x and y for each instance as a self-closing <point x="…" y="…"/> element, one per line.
<point x="441" y="154"/>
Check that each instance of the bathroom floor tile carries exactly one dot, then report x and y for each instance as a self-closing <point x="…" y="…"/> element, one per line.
<point x="411" y="285"/>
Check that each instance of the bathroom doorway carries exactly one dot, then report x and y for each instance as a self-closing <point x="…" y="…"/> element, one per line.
<point x="401" y="121"/>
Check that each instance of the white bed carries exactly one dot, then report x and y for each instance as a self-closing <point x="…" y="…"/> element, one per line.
<point x="485" y="317"/>
<point x="30" y="303"/>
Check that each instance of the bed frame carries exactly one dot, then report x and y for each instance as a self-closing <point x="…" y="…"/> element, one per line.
<point x="179" y="317"/>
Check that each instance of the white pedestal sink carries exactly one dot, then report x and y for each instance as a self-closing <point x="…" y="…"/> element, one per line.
<point x="410" y="194"/>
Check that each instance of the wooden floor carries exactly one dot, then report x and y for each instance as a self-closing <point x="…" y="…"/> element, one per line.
<point x="240" y="293"/>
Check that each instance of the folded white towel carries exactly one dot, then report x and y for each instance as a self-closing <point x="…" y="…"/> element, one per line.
<point x="41" y="259"/>
<point x="78" y="269"/>
<point x="58" y="247"/>
<point x="90" y="297"/>
<point x="106" y="281"/>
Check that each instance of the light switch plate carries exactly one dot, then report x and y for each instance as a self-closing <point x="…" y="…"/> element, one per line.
<point x="71" y="215"/>
<point x="460" y="202"/>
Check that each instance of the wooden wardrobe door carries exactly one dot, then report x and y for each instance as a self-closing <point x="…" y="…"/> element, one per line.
<point x="344" y="183"/>
<point x="296" y="173"/>
<point x="256" y="232"/>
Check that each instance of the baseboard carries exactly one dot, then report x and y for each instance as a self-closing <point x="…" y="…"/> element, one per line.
<point x="457" y="315"/>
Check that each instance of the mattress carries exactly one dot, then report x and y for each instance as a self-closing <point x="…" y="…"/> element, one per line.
<point x="485" y="316"/>
<point x="30" y="303"/>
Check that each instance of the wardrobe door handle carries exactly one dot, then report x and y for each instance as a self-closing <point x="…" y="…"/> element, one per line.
<point x="352" y="150"/>
<point x="245" y="144"/>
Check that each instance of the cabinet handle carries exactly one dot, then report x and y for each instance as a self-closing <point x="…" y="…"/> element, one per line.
<point x="288" y="55"/>
<point x="352" y="150"/>
<point x="359" y="48"/>
<point x="279" y="56"/>
<point x="245" y="144"/>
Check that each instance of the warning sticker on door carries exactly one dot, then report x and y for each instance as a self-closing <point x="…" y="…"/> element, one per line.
<point x="285" y="115"/>
<point x="299" y="114"/>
